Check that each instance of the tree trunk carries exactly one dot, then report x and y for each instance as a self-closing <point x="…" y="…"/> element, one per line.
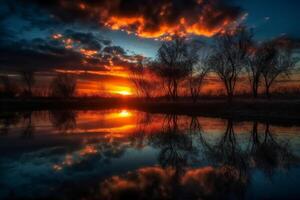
<point x="268" y="95"/>
<point x="174" y="92"/>
<point x="230" y="94"/>
<point x="255" y="90"/>
<point x="254" y="133"/>
<point x="228" y="91"/>
<point x="194" y="94"/>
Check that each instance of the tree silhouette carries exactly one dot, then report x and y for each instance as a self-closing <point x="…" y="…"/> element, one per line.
<point x="228" y="61"/>
<point x="199" y="71"/>
<point x="28" y="78"/>
<point x="258" y="57"/>
<point x="281" y="63"/>
<point x="174" y="63"/>
<point x="63" y="85"/>
<point x="139" y="76"/>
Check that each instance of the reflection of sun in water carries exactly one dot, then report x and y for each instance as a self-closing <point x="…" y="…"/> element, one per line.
<point x="124" y="113"/>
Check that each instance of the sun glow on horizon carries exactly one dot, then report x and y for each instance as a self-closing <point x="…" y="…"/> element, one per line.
<point x="124" y="93"/>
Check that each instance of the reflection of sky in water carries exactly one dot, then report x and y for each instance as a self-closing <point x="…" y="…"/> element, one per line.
<point x="85" y="149"/>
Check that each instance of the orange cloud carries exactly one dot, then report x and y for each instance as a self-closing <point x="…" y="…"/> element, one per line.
<point x="148" y="19"/>
<point x="57" y="36"/>
<point x="165" y="31"/>
<point x="152" y="182"/>
<point x="88" y="53"/>
<point x="207" y="21"/>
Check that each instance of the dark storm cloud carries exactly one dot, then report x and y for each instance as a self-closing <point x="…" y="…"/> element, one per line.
<point x="37" y="54"/>
<point x="86" y="52"/>
<point x="147" y="18"/>
<point x="87" y="40"/>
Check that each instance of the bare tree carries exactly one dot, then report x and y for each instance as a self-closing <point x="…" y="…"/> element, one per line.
<point x="139" y="75"/>
<point x="258" y="58"/>
<point x="254" y="70"/>
<point x="228" y="61"/>
<point x="28" y="78"/>
<point x="198" y="73"/>
<point x="174" y="63"/>
<point x="63" y="85"/>
<point x="280" y="64"/>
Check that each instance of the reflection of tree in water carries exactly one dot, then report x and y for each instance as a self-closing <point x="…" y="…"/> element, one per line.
<point x="13" y="118"/>
<point x="7" y="120"/>
<point x="195" y="126"/>
<point x="176" y="146"/>
<point x="175" y="179"/>
<point x="64" y="121"/>
<point x="227" y="152"/>
<point x="28" y="125"/>
<point x="267" y="153"/>
<point x="139" y="138"/>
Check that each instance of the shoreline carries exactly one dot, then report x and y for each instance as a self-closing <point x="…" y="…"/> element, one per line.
<point x="275" y="110"/>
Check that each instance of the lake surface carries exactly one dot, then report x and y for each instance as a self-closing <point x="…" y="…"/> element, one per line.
<point x="127" y="154"/>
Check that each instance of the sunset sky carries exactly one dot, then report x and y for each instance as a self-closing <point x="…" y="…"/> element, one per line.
<point x="100" y="40"/>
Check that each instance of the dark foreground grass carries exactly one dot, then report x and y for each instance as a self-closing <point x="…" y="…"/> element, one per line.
<point x="281" y="110"/>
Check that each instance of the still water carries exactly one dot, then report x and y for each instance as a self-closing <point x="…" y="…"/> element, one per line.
<point x="127" y="154"/>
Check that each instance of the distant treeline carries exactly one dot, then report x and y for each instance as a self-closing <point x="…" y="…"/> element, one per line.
<point x="62" y="85"/>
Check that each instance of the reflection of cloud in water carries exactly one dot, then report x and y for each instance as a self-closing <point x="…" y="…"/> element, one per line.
<point x="160" y="183"/>
<point x="129" y="140"/>
<point x="103" y="151"/>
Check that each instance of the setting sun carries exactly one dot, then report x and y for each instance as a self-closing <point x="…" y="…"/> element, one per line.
<point x="124" y="92"/>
